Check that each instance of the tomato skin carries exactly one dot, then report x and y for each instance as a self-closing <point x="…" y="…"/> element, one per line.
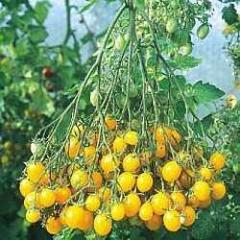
<point x="119" y="145"/>
<point x="154" y="223"/>
<point x="201" y="190"/>
<point x="47" y="197"/>
<point x="110" y="123"/>
<point x="33" y="215"/>
<point x="203" y="31"/>
<point x="87" y="222"/>
<point x="35" y="171"/>
<point x="179" y="200"/>
<point x="160" y="203"/>
<point x="217" y="160"/>
<point x="92" y="203"/>
<point x="26" y="187"/>
<point x="105" y="194"/>
<point x="171" y="171"/>
<point x="53" y="225"/>
<point x="47" y="72"/>
<point x="144" y="182"/>
<point x="74" y="215"/>
<point x="32" y="200"/>
<point x="72" y="147"/>
<point x="146" y="211"/>
<point x="171" y="26"/>
<point x="109" y="163"/>
<point x="118" y="211"/>
<point x="205" y="173"/>
<point x="131" y="163"/>
<point x="131" y="138"/>
<point x="102" y="224"/>
<point x="62" y="194"/>
<point x="171" y="220"/>
<point x="132" y="204"/>
<point x="189" y="215"/>
<point x="79" y="179"/>
<point x="218" y="190"/>
<point x="126" y="181"/>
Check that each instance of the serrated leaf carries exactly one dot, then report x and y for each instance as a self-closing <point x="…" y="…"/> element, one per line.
<point x="42" y="103"/>
<point x="205" y="92"/>
<point x="185" y="62"/>
<point x="41" y="11"/>
<point x="37" y="34"/>
<point x="229" y="14"/>
<point x="87" y="6"/>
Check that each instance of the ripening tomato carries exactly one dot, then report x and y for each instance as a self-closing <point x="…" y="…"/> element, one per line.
<point x="160" y="203"/>
<point x="74" y="215"/>
<point x="92" y="203"/>
<point x="102" y="224"/>
<point x="110" y="122"/>
<point x="97" y="179"/>
<point x="126" y="181"/>
<point x="33" y="215"/>
<point x="117" y="211"/>
<point x="105" y="193"/>
<point x="144" y="182"/>
<point x="35" y="171"/>
<point x="201" y="190"/>
<point x="171" y="171"/>
<point x="171" y="220"/>
<point x="53" y="225"/>
<point x="47" y="72"/>
<point x="131" y="163"/>
<point x="131" y="138"/>
<point x="160" y="150"/>
<point x="154" y="223"/>
<point x="217" y="160"/>
<point x="87" y="221"/>
<point x="109" y="163"/>
<point x="62" y="194"/>
<point x="146" y="211"/>
<point x="32" y="200"/>
<point x="218" y="190"/>
<point x="205" y="173"/>
<point x="119" y="145"/>
<point x="26" y="187"/>
<point x="179" y="200"/>
<point x="189" y="216"/>
<point x="79" y="179"/>
<point x="47" y="197"/>
<point x="132" y="204"/>
<point x="72" y="148"/>
<point x="89" y="154"/>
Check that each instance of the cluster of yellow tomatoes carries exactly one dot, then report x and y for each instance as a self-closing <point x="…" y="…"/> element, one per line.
<point x="163" y="185"/>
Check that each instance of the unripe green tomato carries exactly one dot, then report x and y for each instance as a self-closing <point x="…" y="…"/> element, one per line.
<point x="186" y="49"/>
<point x="171" y="26"/>
<point x="133" y="92"/>
<point x="94" y="97"/>
<point x="119" y="43"/>
<point x="203" y="31"/>
<point x="121" y="101"/>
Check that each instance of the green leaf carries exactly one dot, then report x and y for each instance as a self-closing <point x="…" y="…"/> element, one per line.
<point x="229" y="14"/>
<point x="37" y="34"/>
<point x="140" y="4"/>
<point x="7" y="35"/>
<point x="205" y="92"/>
<point x="42" y="103"/>
<point x="87" y="6"/>
<point x="185" y="62"/>
<point x="41" y="11"/>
